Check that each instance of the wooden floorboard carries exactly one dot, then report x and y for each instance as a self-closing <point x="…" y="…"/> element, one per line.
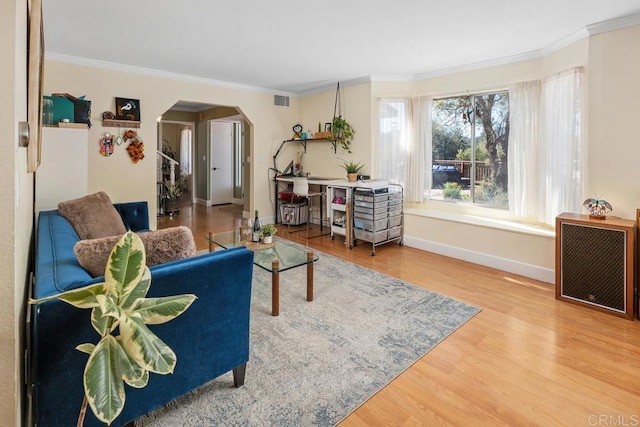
<point x="526" y="359"/>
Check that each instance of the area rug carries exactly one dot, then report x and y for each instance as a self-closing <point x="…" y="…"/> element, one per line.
<point x="234" y="209"/>
<point x="318" y="361"/>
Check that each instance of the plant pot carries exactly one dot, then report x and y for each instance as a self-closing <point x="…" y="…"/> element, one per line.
<point x="171" y="206"/>
<point x="267" y="240"/>
<point x="352" y="177"/>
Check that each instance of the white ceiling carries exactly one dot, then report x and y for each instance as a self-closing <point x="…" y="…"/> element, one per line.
<point x="297" y="46"/>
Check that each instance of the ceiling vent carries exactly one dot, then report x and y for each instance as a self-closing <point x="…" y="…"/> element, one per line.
<point x="281" y="100"/>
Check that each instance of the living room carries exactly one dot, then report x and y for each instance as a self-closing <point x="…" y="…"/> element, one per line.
<point x="611" y="63"/>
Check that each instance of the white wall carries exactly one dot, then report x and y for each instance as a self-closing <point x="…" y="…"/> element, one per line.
<point x="320" y="159"/>
<point x="125" y="181"/>
<point x="614" y="145"/>
<point x="16" y="216"/>
<point x="612" y="65"/>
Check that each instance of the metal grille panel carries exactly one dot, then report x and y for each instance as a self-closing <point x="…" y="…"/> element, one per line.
<point x="593" y="264"/>
<point x="281" y="100"/>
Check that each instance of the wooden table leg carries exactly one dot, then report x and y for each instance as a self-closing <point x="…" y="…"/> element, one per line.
<point x="211" y="241"/>
<point x="310" y="276"/>
<point x="275" y="288"/>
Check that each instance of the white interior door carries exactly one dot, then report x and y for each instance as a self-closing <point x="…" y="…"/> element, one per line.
<point x="221" y="162"/>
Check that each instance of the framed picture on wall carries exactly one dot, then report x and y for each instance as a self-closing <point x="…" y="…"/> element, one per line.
<point x="35" y="74"/>
<point x="128" y="109"/>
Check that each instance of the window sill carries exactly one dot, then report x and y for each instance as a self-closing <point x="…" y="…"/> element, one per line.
<point x="481" y="221"/>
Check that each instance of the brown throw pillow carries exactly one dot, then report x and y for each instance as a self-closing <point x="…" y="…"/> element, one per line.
<point x="169" y="244"/>
<point x="93" y="216"/>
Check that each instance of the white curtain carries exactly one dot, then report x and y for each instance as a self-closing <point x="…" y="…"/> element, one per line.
<point x="185" y="152"/>
<point x="394" y="140"/>
<point x="420" y="151"/>
<point x="524" y="104"/>
<point x="563" y="155"/>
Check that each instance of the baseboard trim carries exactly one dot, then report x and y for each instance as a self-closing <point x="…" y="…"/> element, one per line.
<point x="203" y="202"/>
<point x="516" y="267"/>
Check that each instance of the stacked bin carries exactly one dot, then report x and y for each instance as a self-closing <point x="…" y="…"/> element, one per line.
<point x="377" y="215"/>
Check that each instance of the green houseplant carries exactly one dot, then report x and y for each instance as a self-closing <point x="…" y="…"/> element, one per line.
<point x="267" y="232"/>
<point x="174" y="191"/>
<point x="120" y="304"/>
<point x="342" y="133"/>
<point x="352" y="168"/>
<point x="172" y="195"/>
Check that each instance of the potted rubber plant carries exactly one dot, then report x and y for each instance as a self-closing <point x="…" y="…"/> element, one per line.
<point x="352" y="168"/>
<point x="120" y="304"/>
<point x="342" y="133"/>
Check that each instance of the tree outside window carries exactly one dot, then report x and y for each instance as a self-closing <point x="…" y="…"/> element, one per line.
<point x="470" y="147"/>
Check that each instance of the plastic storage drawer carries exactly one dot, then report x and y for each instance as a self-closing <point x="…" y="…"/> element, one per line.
<point x="380" y="236"/>
<point x="395" y="220"/>
<point x="395" y="232"/>
<point x="363" y="204"/>
<point x="371" y="216"/>
<point x="368" y="197"/>
<point x="368" y="224"/>
<point x="376" y="211"/>
<point x="395" y="210"/>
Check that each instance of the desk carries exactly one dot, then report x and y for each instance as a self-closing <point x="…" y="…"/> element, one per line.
<point x="319" y="181"/>
<point x="328" y="184"/>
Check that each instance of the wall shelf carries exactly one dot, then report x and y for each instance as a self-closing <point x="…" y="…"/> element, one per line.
<point x="303" y="142"/>
<point x="120" y="123"/>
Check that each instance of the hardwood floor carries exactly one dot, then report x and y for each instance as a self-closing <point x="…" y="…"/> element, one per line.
<point x="525" y="359"/>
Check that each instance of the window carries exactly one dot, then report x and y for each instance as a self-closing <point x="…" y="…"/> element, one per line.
<point x="470" y="137"/>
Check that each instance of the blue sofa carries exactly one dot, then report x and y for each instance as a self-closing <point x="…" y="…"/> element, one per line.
<point x="209" y="339"/>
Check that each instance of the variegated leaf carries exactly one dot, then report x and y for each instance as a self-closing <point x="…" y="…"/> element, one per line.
<point x="102" y="379"/>
<point x="86" y="348"/>
<point x="126" y="264"/>
<point x="155" y="311"/>
<point x="133" y="374"/>
<point x="81" y="297"/>
<point x="138" y="382"/>
<point x="101" y="323"/>
<point x="109" y="306"/>
<point x="145" y="347"/>
<point x="138" y="291"/>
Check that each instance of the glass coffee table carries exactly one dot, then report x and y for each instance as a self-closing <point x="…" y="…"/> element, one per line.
<point x="275" y="258"/>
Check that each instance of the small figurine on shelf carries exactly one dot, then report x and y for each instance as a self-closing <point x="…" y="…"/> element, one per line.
<point x="297" y="131"/>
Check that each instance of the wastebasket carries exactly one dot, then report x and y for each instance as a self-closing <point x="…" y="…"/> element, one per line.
<point x="293" y="213"/>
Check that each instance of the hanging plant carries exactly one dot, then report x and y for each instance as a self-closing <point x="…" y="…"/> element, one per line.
<point x="341" y="130"/>
<point x="342" y="133"/>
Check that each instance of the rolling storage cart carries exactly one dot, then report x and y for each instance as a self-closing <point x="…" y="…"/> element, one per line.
<point x="340" y="212"/>
<point x="377" y="215"/>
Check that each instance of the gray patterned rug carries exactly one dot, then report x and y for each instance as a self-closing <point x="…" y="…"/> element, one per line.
<point x="318" y="361"/>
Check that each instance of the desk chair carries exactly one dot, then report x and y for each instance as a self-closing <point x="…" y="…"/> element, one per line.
<point x="301" y="189"/>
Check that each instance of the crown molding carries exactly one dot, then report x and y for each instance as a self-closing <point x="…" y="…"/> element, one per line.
<point x="614" y="24"/>
<point x="396" y="78"/>
<point x="52" y="56"/>
<point x="564" y="42"/>
<point x="478" y="65"/>
<point x="589" y="30"/>
<point x="331" y="85"/>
